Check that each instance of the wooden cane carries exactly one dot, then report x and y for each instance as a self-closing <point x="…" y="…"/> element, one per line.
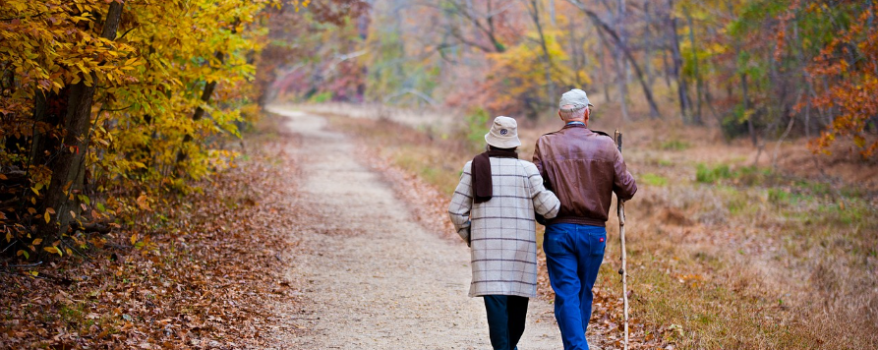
<point x="620" y="211"/>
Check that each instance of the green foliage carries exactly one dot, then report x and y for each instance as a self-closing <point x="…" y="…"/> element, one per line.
<point x="674" y="145"/>
<point x="653" y="179"/>
<point x="706" y="174"/>
<point x="321" y="97"/>
<point x="735" y="124"/>
<point x="477" y="127"/>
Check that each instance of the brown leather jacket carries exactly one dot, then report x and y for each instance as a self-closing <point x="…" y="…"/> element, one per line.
<point x="583" y="168"/>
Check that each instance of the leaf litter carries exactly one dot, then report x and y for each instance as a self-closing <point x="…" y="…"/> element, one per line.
<point x="202" y="272"/>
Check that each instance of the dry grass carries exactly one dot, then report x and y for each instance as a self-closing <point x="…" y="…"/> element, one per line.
<point x="721" y="255"/>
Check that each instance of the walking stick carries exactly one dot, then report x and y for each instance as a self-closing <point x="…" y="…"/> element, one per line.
<point x="620" y="211"/>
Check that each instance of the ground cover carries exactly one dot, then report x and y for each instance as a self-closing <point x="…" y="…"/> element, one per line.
<point x="196" y="271"/>
<point x="722" y="254"/>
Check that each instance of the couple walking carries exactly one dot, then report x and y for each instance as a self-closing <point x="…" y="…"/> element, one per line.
<point x="499" y="199"/>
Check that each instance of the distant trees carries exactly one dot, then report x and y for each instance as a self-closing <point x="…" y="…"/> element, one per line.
<point x="762" y="69"/>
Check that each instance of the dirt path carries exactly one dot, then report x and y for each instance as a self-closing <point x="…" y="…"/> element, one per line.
<point x="372" y="277"/>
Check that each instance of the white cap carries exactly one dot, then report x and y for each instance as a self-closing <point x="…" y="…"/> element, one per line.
<point x="576" y="98"/>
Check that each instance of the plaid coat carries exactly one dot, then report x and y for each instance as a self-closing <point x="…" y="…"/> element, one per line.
<point x="503" y="229"/>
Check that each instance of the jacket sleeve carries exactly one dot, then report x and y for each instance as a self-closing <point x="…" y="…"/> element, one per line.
<point x="462" y="203"/>
<point x="623" y="183"/>
<point x="538" y="159"/>
<point x="546" y="204"/>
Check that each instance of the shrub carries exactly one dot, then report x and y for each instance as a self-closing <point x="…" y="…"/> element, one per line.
<point x="653" y="179"/>
<point x="707" y="174"/>
<point x="477" y="127"/>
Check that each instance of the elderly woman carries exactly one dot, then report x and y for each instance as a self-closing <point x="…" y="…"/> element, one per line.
<point x="493" y="210"/>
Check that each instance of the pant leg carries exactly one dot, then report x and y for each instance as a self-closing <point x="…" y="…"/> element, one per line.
<point x="498" y="320"/>
<point x="517" y="318"/>
<point x="593" y="242"/>
<point x="563" y="267"/>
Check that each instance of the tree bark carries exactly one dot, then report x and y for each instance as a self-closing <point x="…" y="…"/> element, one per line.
<point x="677" y="59"/>
<point x="699" y="87"/>
<point x="70" y="158"/>
<point x="547" y="59"/>
<point x="745" y="100"/>
<point x="647" y="61"/>
<point x="621" y="64"/>
<point x="647" y="91"/>
<point x="48" y="108"/>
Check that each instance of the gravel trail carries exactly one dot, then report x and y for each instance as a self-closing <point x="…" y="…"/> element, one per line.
<point x="372" y="277"/>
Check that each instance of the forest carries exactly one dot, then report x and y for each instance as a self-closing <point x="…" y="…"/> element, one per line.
<point x="127" y="125"/>
<point x="750" y="68"/>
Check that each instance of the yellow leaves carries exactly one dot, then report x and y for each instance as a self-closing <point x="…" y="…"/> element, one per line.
<point x="36" y="189"/>
<point x="133" y="239"/>
<point x="148" y="81"/>
<point x="53" y="250"/>
<point x="37" y="241"/>
<point x="48" y="214"/>
<point x="143" y="202"/>
<point x="18" y="6"/>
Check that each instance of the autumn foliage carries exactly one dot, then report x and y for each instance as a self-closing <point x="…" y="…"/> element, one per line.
<point x="850" y="61"/>
<point x="110" y="105"/>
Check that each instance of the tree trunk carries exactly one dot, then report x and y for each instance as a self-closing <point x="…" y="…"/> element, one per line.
<point x="547" y="59"/>
<point x="48" y="108"/>
<point x="745" y="100"/>
<point x="677" y="59"/>
<point x="621" y="64"/>
<point x="668" y="68"/>
<point x="603" y="71"/>
<point x="699" y="87"/>
<point x="647" y="61"/>
<point x="66" y="168"/>
<point x="647" y="91"/>
<point x="575" y="52"/>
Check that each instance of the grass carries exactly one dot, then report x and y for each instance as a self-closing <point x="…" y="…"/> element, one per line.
<point x="738" y="257"/>
<point x="674" y="145"/>
<point x="653" y="179"/>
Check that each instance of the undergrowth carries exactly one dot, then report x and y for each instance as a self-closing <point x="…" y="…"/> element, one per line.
<point x="721" y="255"/>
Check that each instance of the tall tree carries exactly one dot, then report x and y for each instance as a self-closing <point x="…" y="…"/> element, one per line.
<point x="66" y="168"/>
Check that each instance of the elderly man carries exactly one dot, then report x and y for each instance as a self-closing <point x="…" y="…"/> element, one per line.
<point x="583" y="168"/>
<point x="493" y="211"/>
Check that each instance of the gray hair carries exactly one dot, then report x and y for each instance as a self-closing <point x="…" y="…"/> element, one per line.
<point x="569" y="112"/>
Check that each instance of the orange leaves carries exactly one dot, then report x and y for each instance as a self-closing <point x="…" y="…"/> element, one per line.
<point x="851" y="86"/>
<point x="143" y="202"/>
<point x="188" y="283"/>
<point x="53" y="250"/>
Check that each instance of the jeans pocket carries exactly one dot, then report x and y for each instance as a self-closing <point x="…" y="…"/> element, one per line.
<point x="554" y="239"/>
<point x="598" y="243"/>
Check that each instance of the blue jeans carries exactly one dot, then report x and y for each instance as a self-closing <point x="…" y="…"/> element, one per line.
<point x="573" y="257"/>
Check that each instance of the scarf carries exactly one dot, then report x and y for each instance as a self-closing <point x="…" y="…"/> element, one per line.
<point x="483" y="187"/>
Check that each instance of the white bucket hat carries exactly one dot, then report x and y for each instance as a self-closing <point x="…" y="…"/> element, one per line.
<point x="503" y="134"/>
